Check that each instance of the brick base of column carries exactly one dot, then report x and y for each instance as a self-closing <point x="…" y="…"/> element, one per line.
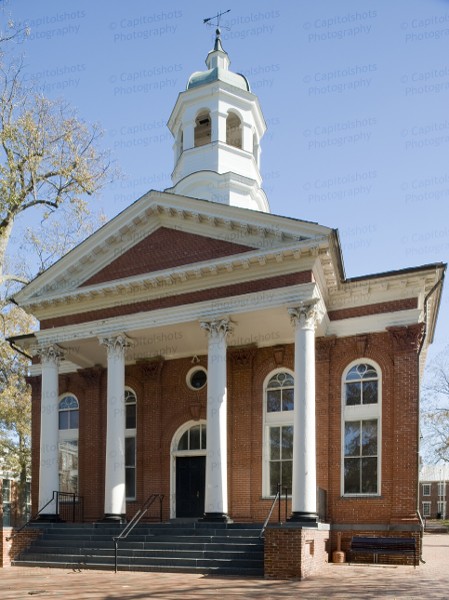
<point x="295" y="552"/>
<point x="12" y="545"/>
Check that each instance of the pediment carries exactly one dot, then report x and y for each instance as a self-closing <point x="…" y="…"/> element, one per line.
<point x="165" y="235"/>
<point x="165" y="249"/>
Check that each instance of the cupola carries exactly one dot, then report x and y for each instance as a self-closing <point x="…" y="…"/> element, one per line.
<point x="217" y="124"/>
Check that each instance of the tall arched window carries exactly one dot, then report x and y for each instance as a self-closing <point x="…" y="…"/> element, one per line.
<point x="202" y="134"/>
<point x="233" y="130"/>
<point x="278" y="432"/>
<point x="130" y="443"/>
<point x="68" y="443"/>
<point x="361" y="429"/>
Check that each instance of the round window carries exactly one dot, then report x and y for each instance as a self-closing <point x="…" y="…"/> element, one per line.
<point x="197" y="378"/>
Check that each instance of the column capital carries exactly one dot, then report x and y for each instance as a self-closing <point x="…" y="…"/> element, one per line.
<point x="115" y="344"/>
<point x="217" y="329"/>
<point x="305" y="315"/>
<point x="407" y="338"/>
<point x="50" y="354"/>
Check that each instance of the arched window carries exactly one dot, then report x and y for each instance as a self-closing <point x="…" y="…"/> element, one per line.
<point x="202" y="134"/>
<point x="68" y="413"/>
<point x="194" y="438"/>
<point x="361" y="429"/>
<point x="68" y="409"/>
<point x="278" y="432"/>
<point x="130" y="443"/>
<point x="233" y="130"/>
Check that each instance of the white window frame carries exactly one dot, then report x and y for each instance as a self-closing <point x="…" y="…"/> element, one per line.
<point x="441" y="489"/>
<point x="273" y="419"/>
<point x="426" y="509"/>
<point x="426" y="489"/>
<point x="441" y="508"/>
<point x="131" y="433"/>
<point x="68" y="435"/>
<point x="358" y="413"/>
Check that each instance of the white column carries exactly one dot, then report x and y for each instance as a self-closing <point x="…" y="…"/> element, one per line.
<point x="218" y="126"/>
<point x="49" y="455"/>
<point x="304" y="501"/>
<point x="247" y="137"/>
<point x="114" y="485"/>
<point x="188" y="138"/>
<point x="216" y="493"/>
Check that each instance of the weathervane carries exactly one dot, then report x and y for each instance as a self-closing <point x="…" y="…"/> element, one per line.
<point x="218" y="17"/>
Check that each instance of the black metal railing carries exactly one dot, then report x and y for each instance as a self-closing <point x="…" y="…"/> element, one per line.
<point x="277" y="499"/>
<point x="321" y="506"/>
<point x="135" y="520"/>
<point x="75" y="507"/>
<point x="70" y="507"/>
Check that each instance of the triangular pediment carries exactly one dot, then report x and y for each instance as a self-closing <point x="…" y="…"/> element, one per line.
<point x="165" y="249"/>
<point x="164" y="237"/>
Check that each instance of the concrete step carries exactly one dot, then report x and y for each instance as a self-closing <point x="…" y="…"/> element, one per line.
<point x="180" y="547"/>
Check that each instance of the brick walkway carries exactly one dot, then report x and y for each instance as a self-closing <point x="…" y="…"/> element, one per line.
<point x="428" y="581"/>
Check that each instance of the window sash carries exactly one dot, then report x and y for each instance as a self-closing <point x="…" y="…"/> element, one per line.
<point x="280" y="464"/>
<point x="426" y="489"/>
<point x="130" y="467"/>
<point x="361" y="464"/>
<point x="68" y="466"/>
<point x="426" y="509"/>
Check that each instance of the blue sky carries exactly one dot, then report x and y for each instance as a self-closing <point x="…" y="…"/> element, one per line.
<point x="355" y="94"/>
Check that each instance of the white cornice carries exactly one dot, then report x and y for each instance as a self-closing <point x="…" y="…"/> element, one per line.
<point x="374" y="323"/>
<point x="397" y="286"/>
<point x="244" y="303"/>
<point x="193" y="277"/>
<point x="169" y="210"/>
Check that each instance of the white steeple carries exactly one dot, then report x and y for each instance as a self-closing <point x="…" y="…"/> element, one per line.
<point x="217" y="124"/>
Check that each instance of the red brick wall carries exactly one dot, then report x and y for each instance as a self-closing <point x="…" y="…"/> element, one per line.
<point x="166" y="300"/>
<point x="11" y="547"/>
<point x="292" y="553"/>
<point x="165" y="403"/>
<point x="373" y="309"/>
<point x="165" y="249"/>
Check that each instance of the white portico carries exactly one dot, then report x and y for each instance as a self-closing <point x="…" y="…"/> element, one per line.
<point x="232" y="300"/>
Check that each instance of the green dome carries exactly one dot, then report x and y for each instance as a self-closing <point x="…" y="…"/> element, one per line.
<point x="217" y="74"/>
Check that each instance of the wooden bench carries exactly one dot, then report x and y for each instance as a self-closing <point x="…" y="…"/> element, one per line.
<point x="405" y="546"/>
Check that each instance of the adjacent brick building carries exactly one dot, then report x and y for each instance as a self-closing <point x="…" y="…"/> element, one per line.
<point x="434" y="491"/>
<point x="201" y="347"/>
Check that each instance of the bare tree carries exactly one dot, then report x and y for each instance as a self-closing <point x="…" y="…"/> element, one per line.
<point x="435" y="408"/>
<point x="50" y="163"/>
<point x="48" y="158"/>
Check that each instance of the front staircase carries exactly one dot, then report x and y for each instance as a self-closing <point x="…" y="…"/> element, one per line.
<point x="221" y="548"/>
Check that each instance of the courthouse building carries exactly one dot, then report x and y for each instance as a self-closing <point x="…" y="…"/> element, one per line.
<point x="201" y="347"/>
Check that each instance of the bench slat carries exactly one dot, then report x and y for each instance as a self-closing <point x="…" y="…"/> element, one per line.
<point x="378" y="545"/>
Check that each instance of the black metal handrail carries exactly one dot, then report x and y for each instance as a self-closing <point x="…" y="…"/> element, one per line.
<point x="55" y="498"/>
<point x="276" y="499"/>
<point x="135" y="520"/>
<point x="11" y="537"/>
<point x="74" y="502"/>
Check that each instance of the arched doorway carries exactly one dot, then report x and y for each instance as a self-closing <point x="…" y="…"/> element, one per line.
<point x="188" y="470"/>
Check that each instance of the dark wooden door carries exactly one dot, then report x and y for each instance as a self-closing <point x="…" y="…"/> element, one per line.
<point x="190" y="484"/>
